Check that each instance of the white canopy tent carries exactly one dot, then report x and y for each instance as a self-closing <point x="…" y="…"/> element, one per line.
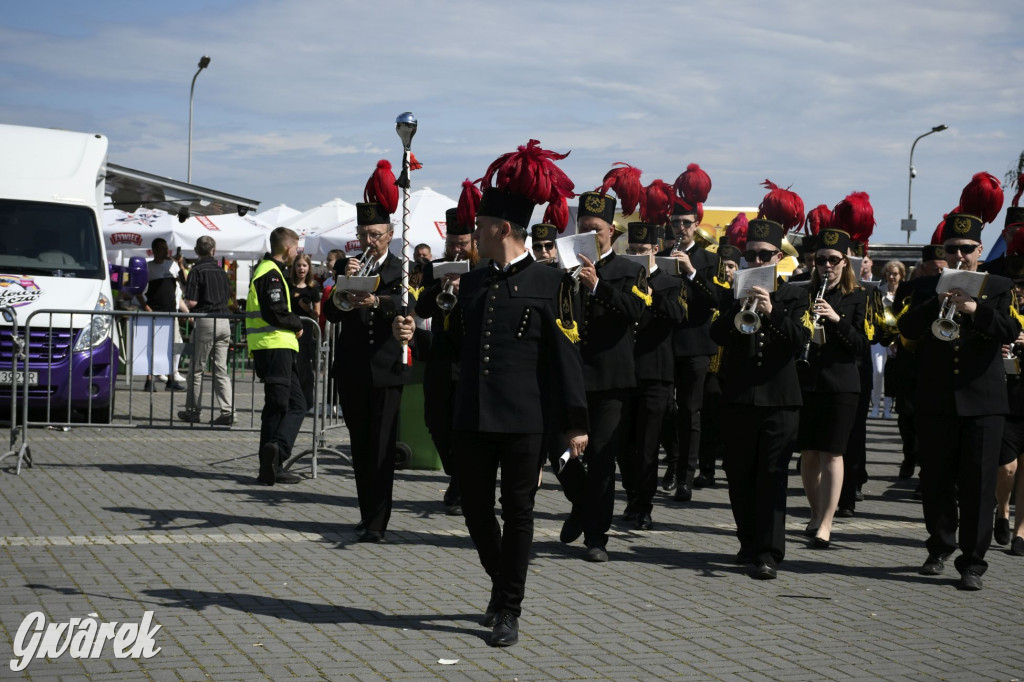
<point x="426" y="226"/>
<point x="327" y="216"/>
<point x="132" y="234"/>
<point x="278" y="215"/>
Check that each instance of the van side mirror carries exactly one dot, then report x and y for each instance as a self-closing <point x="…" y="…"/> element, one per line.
<point x="137" y="276"/>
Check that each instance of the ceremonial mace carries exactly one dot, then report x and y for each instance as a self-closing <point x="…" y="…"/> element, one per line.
<point x="405" y="126"/>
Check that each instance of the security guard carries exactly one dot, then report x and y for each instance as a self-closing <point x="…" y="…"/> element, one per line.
<point x="614" y="298"/>
<point x="272" y="332"/>
<point x="960" y="403"/>
<point x="371" y="374"/>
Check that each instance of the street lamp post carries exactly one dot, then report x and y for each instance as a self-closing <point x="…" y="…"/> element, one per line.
<point x="203" y="63"/>
<point x="909" y="225"/>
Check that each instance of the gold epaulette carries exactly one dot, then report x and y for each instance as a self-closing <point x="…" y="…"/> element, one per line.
<point x="642" y="295"/>
<point x="724" y="285"/>
<point x="807" y="321"/>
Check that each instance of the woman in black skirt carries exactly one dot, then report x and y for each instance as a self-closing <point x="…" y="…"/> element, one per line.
<point x="829" y="379"/>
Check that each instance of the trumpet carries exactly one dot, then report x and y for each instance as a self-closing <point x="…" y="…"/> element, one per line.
<point x="944" y="328"/>
<point x="446" y="300"/>
<point x="747" y="321"/>
<point x="817" y="336"/>
<point x="339" y="295"/>
<point x="705" y="240"/>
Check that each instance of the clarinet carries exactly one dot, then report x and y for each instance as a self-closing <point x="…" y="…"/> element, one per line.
<point x="805" y="356"/>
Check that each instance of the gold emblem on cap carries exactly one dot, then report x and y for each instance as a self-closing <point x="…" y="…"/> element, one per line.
<point x="962" y="226"/>
<point x="830" y="238"/>
<point x="940" y="251"/>
<point x="541" y="231"/>
<point x="366" y="211"/>
<point x="594" y="203"/>
<point x="641" y="233"/>
<point x="760" y="230"/>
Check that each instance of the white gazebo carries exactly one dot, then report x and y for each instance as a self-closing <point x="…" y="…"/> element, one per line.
<point x="278" y="215"/>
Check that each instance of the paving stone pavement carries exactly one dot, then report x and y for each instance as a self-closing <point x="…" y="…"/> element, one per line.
<point x="249" y="582"/>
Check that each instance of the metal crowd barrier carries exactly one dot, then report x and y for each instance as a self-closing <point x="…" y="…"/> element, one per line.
<point x="55" y="382"/>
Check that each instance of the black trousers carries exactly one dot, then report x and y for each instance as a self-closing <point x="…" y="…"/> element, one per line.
<point x="504" y="551"/>
<point x="855" y="458"/>
<point x="690" y="373"/>
<point x="959" y="462"/>
<point x="438" y="401"/>
<point x="371" y="415"/>
<point x="640" y="473"/>
<point x="757" y="454"/>
<point x="710" y="425"/>
<point x="284" y="406"/>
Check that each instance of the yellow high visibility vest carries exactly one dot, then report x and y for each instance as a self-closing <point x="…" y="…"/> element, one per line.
<point x="260" y="334"/>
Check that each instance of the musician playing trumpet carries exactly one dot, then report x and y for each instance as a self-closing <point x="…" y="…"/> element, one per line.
<point x="829" y="379"/>
<point x="961" y="399"/>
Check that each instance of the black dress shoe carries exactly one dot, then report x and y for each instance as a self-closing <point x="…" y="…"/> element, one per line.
<point x="596" y="554"/>
<point x="845" y="513"/>
<point x="285" y="477"/>
<point x="1017" y="546"/>
<point x="906" y="470"/>
<point x="453" y="510"/>
<point x="1001" y="531"/>
<point x="858" y="495"/>
<point x="969" y="582"/>
<point x="934" y="565"/>
<point x="810" y="531"/>
<point x="764" y="571"/>
<point x="704" y="481"/>
<point x="743" y="559"/>
<point x="493" y="609"/>
<point x="371" y="536"/>
<point x="684" y="493"/>
<point x="506" y="630"/>
<point x="668" y="481"/>
<point x="629" y="514"/>
<point x="268" y="462"/>
<point x="451" y="495"/>
<point x="644" y="522"/>
<point x="572" y="529"/>
<point x="819" y="543"/>
<point x="361" y="526"/>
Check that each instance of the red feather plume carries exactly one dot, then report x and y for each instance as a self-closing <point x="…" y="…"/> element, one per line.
<point x="381" y="188"/>
<point x="557" y="214"/>
<point x="693" y="185"/>
<point x="1020" y="189"/>
<point x="1016" y="246"/>
<point x="782" y="206"/>
<point x="855" y="215"/>
<point x="530" y="171"/>
<point x="818" y="218"/>
<point x="700" y="212"/>
<point x="737" y="231"/>
<point x="626" y="183"/>
<point x="983" y="197"/>
<point x="656" y="202"/>
<point x="469" y="202"/>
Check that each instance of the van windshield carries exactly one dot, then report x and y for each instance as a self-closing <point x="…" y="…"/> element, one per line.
<point x="55" y="240"/>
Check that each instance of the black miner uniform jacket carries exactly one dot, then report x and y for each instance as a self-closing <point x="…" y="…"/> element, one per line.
<point x="833" y="366"/>
<point x="519" y="370"/>
<point x="760" y="368"/>
<point x="692" y="336"/>
<point x="439" y="348"/>
<point x="367" y="350"/>
<point x="654" y="358"/>
<point x="964" y="377"/>
<point x="607" y="323"/>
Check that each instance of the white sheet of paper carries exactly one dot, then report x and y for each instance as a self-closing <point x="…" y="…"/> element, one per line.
<point x="364" y="284"/>
<point x="450" y="268"/>
<point x="667" y="264"/>
<point x="153" y="346"/>
<point x="647" y="261"/>
<point x="571" y="247"/>
<point x="972" y="283"/>
<point x="744" y="280"/>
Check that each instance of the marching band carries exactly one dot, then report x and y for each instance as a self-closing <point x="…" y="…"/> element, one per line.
<point x="531" y="359"/>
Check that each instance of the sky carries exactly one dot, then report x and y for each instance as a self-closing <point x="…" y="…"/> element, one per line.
<point x="300" y="98"/>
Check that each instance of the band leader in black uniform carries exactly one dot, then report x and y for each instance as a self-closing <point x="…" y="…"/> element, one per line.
<point x="830" y="379"/>
<point x="520" y="377"/>
<point x="960" y="404"/>
<point x="653" y="361"/>
<point x="614" y="297"/>
<point x="440" y="375"/>
<point x="371" y="375"/>
<point x="761" y="397"/>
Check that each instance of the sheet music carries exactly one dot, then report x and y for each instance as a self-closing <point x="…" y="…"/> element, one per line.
<point x="576" y="245"/>
<point x="667" y="264"/>
<point x="450" y="268"/>
<point x="972" y="283"/>
<point x="360" y="284"/>
<point x="647" y="261"/>
<point x="744" y="280"/>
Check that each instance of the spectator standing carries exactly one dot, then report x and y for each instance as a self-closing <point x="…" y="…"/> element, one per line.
<point x="306" y="296"/>
<point x="162" y="295"/>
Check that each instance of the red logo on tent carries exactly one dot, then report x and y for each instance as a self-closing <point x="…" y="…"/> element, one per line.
<point x="207" y="223"/>
<point x="126" y="238"/>
<point x="442" y="228"/>
<point x="352" y="245"/>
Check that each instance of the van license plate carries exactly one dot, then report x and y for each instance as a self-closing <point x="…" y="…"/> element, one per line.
<point x="6" y="375"/>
